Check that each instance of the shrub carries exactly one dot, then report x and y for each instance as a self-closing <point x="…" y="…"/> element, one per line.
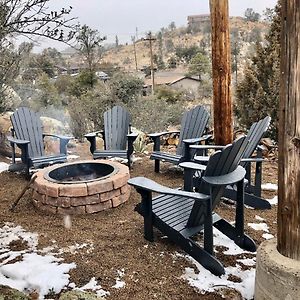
<point x="150" y="114"/>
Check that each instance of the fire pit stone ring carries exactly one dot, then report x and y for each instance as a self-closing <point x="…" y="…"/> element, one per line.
<point x="81" y="187"/>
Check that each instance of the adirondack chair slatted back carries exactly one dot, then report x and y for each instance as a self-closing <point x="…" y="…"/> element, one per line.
<point x="116" y="128"/>
<point x="254" y="135"/>
<point x="27" y="126"/>
<point x="193" y="125"/>
<point x="220" y="163"/>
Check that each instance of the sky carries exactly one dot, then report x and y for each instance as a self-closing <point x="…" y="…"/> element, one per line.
<point x="124" y="17"/>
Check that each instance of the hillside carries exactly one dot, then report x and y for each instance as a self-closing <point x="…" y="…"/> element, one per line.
<point x="243" y="33"/>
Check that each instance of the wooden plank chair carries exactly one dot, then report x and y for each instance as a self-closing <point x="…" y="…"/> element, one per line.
<point x="27" y="134"/>
<point x="193" y="126"/>
<point x="117" y="135"/>
<point x="253" y="185"/>
<point x="182" y="214"/>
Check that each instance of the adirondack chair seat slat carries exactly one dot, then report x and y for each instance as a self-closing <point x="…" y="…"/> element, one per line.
<point x="173" y="158"/>
<point x="117" y="135"/>
<point x="193" y="126"/>
<point x="109" y="153"/>
<point x="48" y="160"/>
<point x="28" y="136"/>
<point x="181" y="214"/>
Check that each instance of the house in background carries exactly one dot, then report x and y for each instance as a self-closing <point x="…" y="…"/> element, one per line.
<point x="176" y="81"/>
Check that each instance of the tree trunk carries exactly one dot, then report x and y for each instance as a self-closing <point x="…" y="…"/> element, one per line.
<point x="221" y="66"/>
<point x="288" y="238"/>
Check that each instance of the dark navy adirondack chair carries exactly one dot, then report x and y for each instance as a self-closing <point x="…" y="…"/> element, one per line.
<point x="182" y="214"/>
<point x="193" y="126"/>
<point x="117" y="135"/>
<point x="253" y="186"/>
<point x="28" y="135"/>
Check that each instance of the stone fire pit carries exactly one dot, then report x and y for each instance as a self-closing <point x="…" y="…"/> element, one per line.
<point x="81" y="187"/>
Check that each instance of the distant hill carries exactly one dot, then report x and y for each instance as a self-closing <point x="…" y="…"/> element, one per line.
<point x="244" y="35"/>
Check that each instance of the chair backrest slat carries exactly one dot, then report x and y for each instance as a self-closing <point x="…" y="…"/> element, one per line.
<point x="193" y="125"/>
<point x="27" y="126"/>
<point x="254" y="135"/>
<point x="116" y="128"/>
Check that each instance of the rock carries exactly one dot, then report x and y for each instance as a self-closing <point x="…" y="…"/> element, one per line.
<point x="79" y="295"/>
<point x="8" y="293"/>
<point x="11" y="98"/>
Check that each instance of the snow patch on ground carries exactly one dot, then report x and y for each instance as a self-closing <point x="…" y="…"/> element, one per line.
<point x="119" y="283"/>
<point x="273" y="201"/>
<point x="269" y="187"/>
<point x="204" y="280"/>
<point x="92" y="285"/>
<point x="259" y="226"/>
<point x="3" y="167"/>
<point x="268" y="236"/>
<point x="36" y="272"/>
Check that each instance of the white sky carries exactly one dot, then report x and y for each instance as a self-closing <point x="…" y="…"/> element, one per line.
<point x="121" y="18"/>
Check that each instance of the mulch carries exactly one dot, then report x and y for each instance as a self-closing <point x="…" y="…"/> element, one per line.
<point x="115" y="239"/>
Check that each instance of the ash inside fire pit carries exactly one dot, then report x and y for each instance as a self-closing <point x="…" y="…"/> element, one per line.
<point x="80" y="172"/>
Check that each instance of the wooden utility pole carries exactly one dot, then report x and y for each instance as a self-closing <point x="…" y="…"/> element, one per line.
<point x="151" y="39"/>
<point x="134" y="49"/>
<point x="288" y="237"/>
<point x="221" y="71"/>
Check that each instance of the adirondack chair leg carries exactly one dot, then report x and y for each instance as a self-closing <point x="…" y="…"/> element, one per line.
<point x="130" y="151"/>
<point x="92" y="141"/>
<point x="156" y="147"/>
<point x="236" y="233"/>
<point x="258" y="175"/>
<point x="248" y="173"/>
<point x="207" y="260"/>
<point x="147" y="213"/>
<point x="63" y="146"/>
<point x="188" y="180"/>
<point x="250" y="200"/>
<point x="208" y="227"/>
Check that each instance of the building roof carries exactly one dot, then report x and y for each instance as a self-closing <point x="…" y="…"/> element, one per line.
<point x="167" y="80"/>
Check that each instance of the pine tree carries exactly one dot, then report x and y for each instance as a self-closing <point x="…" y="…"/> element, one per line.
<point x="257" y="94"/>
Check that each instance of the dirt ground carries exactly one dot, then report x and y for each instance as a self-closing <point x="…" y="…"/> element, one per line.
<point x="151" y="272"/>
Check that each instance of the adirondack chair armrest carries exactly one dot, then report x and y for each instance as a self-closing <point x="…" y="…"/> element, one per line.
<point x="91" y="137"/>
<point x="17" y="141"/>
<point x="253" y="159"/>
<point x="142" y="183"/>
<point x="132" y="136"/>
<point x="233" y="177"/>
<point x="206" y="147"/>
<point x="63" y="141"/>
<point x="93" y="134"/>
<point x="159" y="134"/>
<point x="61" y="137"/>
<point x="192" y="166"/>
<point x="193" y="141"/>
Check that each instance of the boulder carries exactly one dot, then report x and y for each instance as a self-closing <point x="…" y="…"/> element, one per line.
<point x="79" y="295"/>
<point x="8" y="293"/>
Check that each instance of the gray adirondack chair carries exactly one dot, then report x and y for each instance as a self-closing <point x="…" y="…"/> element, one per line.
<point x="253" y="185"/>
<point x="193" y="126"/>
<point x="27" y="134"/>
<point x="182" y="214"/>
<point x="117" y="135"/>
